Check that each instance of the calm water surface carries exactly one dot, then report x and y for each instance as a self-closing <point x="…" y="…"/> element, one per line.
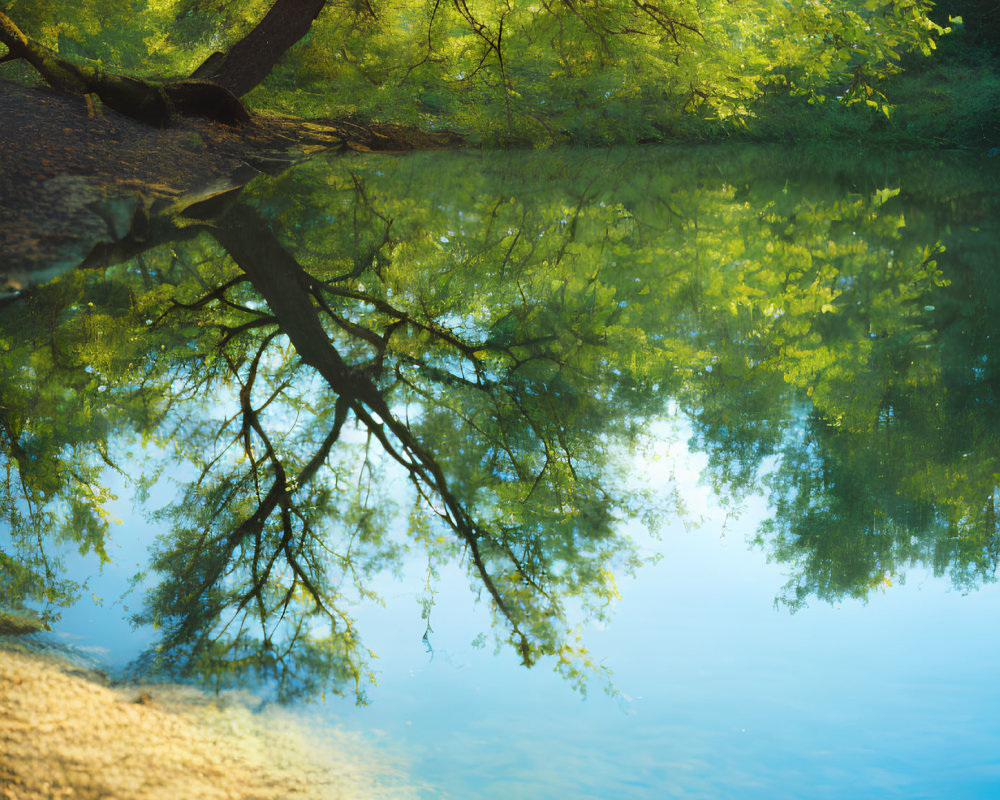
<point x="773" y="371"/>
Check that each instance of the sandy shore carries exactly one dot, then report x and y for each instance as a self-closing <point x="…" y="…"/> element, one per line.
<point x="65" y="735"/>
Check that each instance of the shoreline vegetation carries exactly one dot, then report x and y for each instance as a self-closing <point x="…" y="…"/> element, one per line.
<point x="947" y="96"/>
<point x="949" y="100"/>
<point x="66" y="732"/>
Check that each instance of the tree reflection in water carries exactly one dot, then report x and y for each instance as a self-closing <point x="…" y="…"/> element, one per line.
<point x="495" y="330"/>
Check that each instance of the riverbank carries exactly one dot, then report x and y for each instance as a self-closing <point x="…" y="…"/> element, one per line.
<point x="69" y="180"/>
<point x="65" y="732"/>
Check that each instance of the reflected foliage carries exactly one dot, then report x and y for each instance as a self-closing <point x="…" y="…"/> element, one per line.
<point x="454" y="354"/>
<point x="57" y="417"/>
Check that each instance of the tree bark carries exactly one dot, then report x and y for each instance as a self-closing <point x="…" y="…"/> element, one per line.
<point x="152" y="103"/>
<point x="253" y="57"/>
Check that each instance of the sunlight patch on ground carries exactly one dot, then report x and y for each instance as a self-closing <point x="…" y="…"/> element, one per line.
<point x="64" y="734"/>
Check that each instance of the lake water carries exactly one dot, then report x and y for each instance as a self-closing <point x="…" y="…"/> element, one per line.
<point x="728" y="414"/>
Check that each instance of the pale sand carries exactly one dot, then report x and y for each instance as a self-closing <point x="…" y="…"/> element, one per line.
<point x="63" y="735"/>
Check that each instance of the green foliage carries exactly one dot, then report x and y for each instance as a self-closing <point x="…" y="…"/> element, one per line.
<point x="62" y="352"/>
<point x="595" y="73"/>
<point x="497" y="332"/>
<point x="598" y="72"/>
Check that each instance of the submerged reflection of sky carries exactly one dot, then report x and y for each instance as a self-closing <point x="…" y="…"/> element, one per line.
<point x="721" y="693"/>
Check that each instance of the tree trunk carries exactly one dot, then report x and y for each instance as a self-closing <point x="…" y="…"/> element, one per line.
<point x="152" y="103"/>
<point x="253" y="57"/>
<point x="213" y="88"/>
